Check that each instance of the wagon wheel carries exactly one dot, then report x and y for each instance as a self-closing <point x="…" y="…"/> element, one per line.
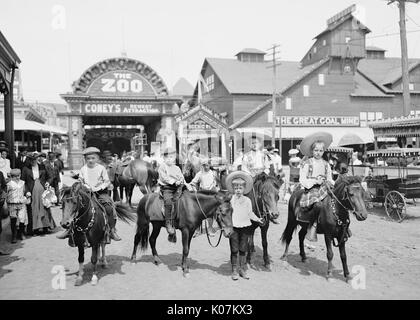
<point x="395" y="206"/>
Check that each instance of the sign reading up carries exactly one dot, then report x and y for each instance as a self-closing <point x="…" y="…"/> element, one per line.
<point x="332" y="121"/>
<point x="121" y="83"/>
<point x="120" y="108"/>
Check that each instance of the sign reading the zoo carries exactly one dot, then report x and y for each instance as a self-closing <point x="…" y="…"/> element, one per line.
<point x="120" y="108"/>
<point x="309" y="121"/>
<point x="121" y="83"/>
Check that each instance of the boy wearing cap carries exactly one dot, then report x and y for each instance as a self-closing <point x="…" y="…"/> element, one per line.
<point x="95" y="178"/>
<point x="240" y="183"/>
<point x="171" y="181"/>
<point x="16" y="202"/>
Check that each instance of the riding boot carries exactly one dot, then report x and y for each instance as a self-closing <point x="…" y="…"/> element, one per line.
<point x="235" y="274"/>
<point x="311" y="235"/>
<point x="21" y="231"/>
<point x="13" y="228"/>
<point x="64" y="235"/>
<point x="242" y="267"/>
<point x="168" y="220"/>
<point x="112" y="231"/>
<point x="234" y="263"/>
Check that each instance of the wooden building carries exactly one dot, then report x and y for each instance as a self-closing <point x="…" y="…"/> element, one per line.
<point x="339" y="85"/>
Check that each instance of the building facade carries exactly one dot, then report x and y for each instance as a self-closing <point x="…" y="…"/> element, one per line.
<point x="339" y="85"/>
<point x="115" y="100"/>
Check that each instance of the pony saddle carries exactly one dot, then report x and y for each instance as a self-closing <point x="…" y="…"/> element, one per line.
<point x="306" y="214"/>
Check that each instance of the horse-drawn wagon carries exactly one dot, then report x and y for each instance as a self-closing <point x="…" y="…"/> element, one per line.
<point x="394" y="185"/>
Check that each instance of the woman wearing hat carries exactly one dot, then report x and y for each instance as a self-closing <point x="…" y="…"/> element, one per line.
<point x="95" y="178"/>
<point x="240" y="183"/>
<point x="315" y="174"/>
<point x="37" y="179"/>
<point x="4" y="162"/>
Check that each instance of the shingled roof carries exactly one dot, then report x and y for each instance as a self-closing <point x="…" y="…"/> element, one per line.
<point x="255" y="78"/>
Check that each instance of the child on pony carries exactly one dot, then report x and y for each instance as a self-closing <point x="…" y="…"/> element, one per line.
<point x="95" y="178"/>
<point x="315" y="175"/>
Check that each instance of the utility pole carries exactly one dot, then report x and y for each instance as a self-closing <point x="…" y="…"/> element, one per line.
<point x="404" y="54"/>
<point x="274" y="98"/>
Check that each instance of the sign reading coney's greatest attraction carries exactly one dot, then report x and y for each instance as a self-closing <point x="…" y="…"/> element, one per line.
<point x="121" y="83"/>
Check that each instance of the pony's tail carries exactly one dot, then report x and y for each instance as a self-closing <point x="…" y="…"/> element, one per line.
<point x="291" y="223"/>
<point x="124" y="213"/>
<point x="142" y="232"/>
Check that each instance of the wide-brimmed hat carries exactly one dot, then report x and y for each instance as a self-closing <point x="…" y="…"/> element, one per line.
<point x="239" y="175"/>
<point x="169" y="151"/>
<point x="31" y="156"/>
<point x="42" y="154"/>
<point x="15" y="172"/>
<point x="308" y="141"/>
<point x="205" y="161"/>
<point x="91" y="150"/>
<point x="3" y="148"/>
<point x="295" y="159"/>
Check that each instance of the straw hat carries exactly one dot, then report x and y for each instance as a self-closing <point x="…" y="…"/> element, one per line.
<point x="293" y="152"/>
<point x="169" y="151"/>
<point x="246" y="177"/>
<point x="308" y="141"/>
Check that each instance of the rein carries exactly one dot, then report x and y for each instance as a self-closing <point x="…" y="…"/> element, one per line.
<point x="74" y="225"/>
<point x="207" y="231"/>
<point x="344" y="225"/>
<point x="264" y="214"/>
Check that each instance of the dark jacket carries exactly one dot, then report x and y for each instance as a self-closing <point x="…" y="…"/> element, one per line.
<point x="20" y="163"/>
<point x="28" y="177"/>
<point x="60" y="165"/>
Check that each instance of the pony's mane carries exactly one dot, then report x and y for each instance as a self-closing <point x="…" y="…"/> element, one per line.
<point x="344" y="181"/>
<point x="262" y="178"/>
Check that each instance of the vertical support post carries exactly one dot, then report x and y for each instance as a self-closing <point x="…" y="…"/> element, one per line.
<point x="404" y="59"/>
<point x="9" y="121"/>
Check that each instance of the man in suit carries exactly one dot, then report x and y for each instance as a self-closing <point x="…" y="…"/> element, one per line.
<point x="21" y="159"/>
<point x="55" y="172"/>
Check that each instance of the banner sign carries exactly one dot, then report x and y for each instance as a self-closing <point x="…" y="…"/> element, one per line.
<point x="318" y="121"/>
<point x="120" y="108"/>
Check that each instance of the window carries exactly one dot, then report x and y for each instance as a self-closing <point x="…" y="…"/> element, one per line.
<point x="324" y="42"/>
<point x="371" y="116"/>
<point x="378" y="115"/>
<point x="210" y="82"/>
<point x="314" y="49"/>
<point x="288" y="103"/>
<point x="347" y="39"/>
<point x="411" y="86"/>
<point x="363" y="119"/>
<point x="306" y="90"/>
<point x="321" y="79"/>
<point x="270" y="116"/>
<point x="310" y="56"/>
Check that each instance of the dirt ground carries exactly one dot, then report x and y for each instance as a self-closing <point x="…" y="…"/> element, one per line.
<point x="388" y="251"/>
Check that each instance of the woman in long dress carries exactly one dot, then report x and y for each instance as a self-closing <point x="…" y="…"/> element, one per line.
<point x="37" y="179"/>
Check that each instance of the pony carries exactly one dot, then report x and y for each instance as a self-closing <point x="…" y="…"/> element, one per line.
<point x="192" y="209"/>
<point x="86" y="217"/>
<point x="264" y="197"/>
<point x="137" y="172"/>
<point x="334" y="219"/>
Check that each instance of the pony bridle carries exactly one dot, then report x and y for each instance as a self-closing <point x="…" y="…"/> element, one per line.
<point x="265" y="212"/>
<point x="73" y="223"/>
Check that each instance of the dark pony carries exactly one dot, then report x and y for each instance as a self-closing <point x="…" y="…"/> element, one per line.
<point x="264" y="198"/>
<point x="333" y="221"/>
<point x="192" y="208"/>
<point x="86" y="217"/>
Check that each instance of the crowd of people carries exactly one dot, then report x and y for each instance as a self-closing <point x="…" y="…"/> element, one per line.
<point x="28" y="190"/>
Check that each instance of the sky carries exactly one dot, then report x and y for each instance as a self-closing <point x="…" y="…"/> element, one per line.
<point x="57" y="40"/>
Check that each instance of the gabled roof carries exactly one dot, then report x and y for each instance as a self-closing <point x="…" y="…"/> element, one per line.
<point x="338" y="23"/>
<point x="182" y="88"/>
<point x="364" y="87"/>
<point x="384" y="71"/>
<point x="306" y="72"/>
<point x="255" y="78"/>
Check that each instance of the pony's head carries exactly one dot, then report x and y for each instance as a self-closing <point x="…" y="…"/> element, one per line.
<point x="267" y="190"/>
<point x="224" y="213"/>
<point x="70" y="197"/>
<point x="351" y="193"/>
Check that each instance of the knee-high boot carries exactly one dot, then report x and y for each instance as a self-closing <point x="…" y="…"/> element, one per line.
<point x="112" y="221"/>
<point x="234" y="263"/>
<point x="242" y="267"/>
<point x="13" y="228"/>
<point x="168" y="219"/>
<point x="21" y="232"/>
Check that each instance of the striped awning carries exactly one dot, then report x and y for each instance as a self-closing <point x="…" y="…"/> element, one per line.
<point x="128" y="126"/>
